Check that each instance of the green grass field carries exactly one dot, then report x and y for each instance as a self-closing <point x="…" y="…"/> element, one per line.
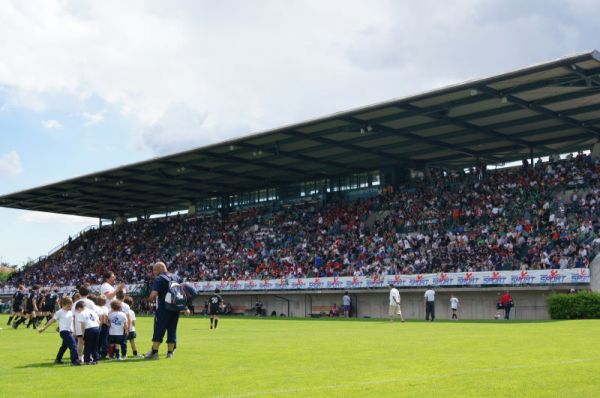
<point x="249" y="357"/>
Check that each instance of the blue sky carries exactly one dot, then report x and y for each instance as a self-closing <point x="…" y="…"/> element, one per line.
<point x="87" y="85"/>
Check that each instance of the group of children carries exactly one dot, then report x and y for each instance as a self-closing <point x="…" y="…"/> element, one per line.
<point x="94" y="328"/>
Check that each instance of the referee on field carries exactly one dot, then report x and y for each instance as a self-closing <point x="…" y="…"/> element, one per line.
<point x="429" y="303"/>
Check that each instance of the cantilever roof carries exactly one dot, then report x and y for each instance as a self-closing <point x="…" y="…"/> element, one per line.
<point x="546" y="108"/>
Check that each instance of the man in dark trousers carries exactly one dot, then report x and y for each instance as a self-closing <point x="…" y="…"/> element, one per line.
<point x="429" y="303"/>
<point x="30" y="308"/>
<point x="50" y="303"/>
<point x="164" y="320"/>
<point x="17" y="305"/>
<point x="190" y="294"/>
<point x="214" y="306"/>
<point x="507" y="304"/>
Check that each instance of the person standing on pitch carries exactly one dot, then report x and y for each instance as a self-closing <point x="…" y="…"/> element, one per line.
<point x="214" y="306"/>
<point x="395" y="307"/>
<point x="17" y="304"/>
<point x="430" y="303"/>
<point x="107" y="288"/>
<point x="454" y="303"/>
<point x="190" y="295"/>
<point x="507" y="304"/>
<point x="347" y="303"/>
<point x="165" y="319"/>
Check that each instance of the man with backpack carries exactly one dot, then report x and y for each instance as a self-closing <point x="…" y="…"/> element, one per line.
<point x="170" y="300"/>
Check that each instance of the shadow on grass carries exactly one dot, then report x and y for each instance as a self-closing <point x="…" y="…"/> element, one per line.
<point x="51" y="364"/>
<point x="41" y="365"/>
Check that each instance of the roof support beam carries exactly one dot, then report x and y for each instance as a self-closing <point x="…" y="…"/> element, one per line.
<point x="591" y="77"/>
<point x="223" y="174"/>
<point x="263" y="163"/>
<point x="437" y="112"/>
<point x="302" y="158"/>
<point x="118" y="187"/>
<point x="439" y="137"/>
<point x="185" y="180"/>
<point x="550" y="141"/>
<point x="534" y="106"/>
<point x="408" y="134"/>
<point x="461" y="122"/>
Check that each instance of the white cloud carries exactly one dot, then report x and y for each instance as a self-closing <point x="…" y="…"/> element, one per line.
<point x="93" y="118"/>
<point x="10" y="164"/>
<point x="187" y="124"/>
<point x="204" y="71"/>
<point x="36" y="217"/>
<point x="52" y="124"/>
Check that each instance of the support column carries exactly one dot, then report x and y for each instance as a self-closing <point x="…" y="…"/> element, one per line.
<point x="531" y="155"/>
<point x="225" y="207"/>
<point x="596" y="151"/>
<point x="595" y="274"/>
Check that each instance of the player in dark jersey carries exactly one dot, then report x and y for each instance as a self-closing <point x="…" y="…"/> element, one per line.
<point x="50" y="304"/>
<point x="30" y="307"/>
<point x="214" y="306"/>
<point x="190" y="294"/>
<point x="41" y="305"/>
<point x="17" y="305"/>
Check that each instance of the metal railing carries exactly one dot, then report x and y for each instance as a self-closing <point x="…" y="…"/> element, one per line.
<point x="66" y="242"/>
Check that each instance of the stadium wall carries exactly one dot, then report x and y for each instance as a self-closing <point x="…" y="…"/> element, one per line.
<point x="476" y="303"/>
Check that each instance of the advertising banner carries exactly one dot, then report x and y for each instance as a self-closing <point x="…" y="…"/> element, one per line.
<point x="491" y="278"/>
<point x="488" y="278"/>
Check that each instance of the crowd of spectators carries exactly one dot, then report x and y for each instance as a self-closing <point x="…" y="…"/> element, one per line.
<point x="530" y="217"/>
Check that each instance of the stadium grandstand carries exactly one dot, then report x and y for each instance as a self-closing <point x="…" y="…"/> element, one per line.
<point x="422" y="185"/>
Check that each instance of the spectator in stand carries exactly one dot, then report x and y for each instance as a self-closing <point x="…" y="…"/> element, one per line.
<point x="450" y="221"/>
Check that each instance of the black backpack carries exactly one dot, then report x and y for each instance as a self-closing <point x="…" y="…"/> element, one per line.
<point x="175" y="299"/>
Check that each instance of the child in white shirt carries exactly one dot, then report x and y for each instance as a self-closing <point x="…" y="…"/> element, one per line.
<point x="118" y="330"/>
<point x="81" y="296"/>
<point x="64" y="317"/>
<point x="132" y="335"/>
<point x="88" y="321"/>
<point x="103" y="340"/>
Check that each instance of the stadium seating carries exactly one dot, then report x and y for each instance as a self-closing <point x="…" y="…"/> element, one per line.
<point x="529" y="217"/>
